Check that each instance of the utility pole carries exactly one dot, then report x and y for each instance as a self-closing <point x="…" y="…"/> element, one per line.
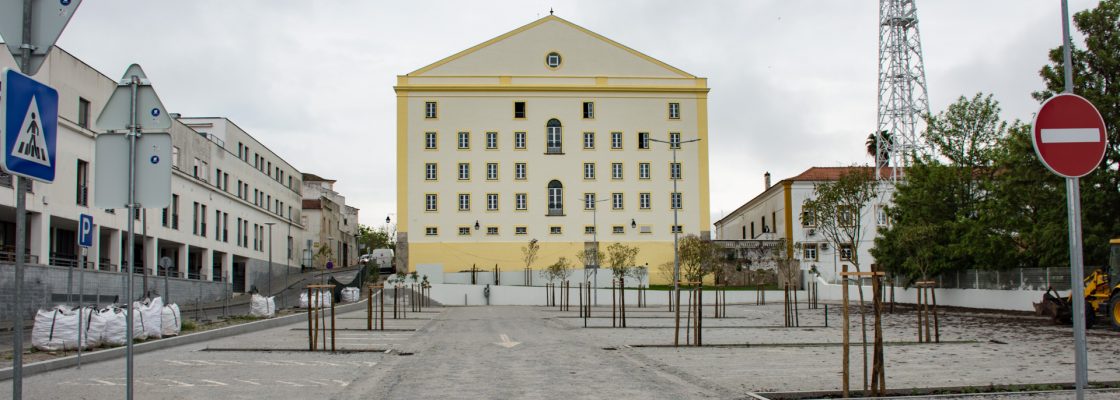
<point x="674" y="146"/>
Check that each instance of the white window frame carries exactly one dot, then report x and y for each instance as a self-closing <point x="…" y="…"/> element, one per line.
<point x="431" y="202"/>
<point x="491" y="171"/>
<point x="430" y="171"/>
<point x="589" y="140"/>
<point x="491" y="202"/>
<point x="643" y="170"/>
<point x="616" y="201"/>
<point x="643" y="140"/>
<point x="431" y="110"/>
<point x="464" y="171"/>
<point x="519" y="140"/>
<point x="643" y="200"/>
<point x="588" y="170"/>
<point x="674" y="110"/>
<point x="589" y="201"/>
<point x="491" y="140"/>
<point x="464" y="202"/>
<point x="519" y="171"/>
<point x="464" y="141"/>
<point x="616" y="140"/>
<point x="431" y="231"/>
<point x="675" y="200"/>
<point x="616" y="170"/>
<point x="674" y="140"/>
<point x="521" y="201"/>
<point x="675" y="170"/>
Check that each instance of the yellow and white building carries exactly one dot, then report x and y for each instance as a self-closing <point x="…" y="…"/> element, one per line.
<point x="525" y="135"/>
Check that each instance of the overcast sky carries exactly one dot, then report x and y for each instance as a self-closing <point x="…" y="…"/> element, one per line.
<point x="793" y="82"/>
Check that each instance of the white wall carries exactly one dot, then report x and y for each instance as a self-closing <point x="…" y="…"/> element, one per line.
<point x="1012" y="300"/>
<point x="458" y="295"/>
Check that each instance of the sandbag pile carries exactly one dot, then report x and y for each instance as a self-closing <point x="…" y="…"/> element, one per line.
<point x="57" y="328"/>
<point x="351" y="294"/>
<point x="322" y="299"/>
<point x="260" y="306"/>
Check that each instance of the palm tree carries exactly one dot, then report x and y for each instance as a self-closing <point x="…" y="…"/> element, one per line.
<point x="872" y="144"/>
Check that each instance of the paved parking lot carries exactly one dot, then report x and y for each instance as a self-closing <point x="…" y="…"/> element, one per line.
<point x="538" y="352"/>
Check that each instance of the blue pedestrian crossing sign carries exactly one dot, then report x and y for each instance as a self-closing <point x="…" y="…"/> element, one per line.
<point x="28" y="126"/>
<point x="85" y="230"/>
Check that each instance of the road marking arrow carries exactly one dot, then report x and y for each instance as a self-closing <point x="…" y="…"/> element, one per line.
<point x="506" y="342"/>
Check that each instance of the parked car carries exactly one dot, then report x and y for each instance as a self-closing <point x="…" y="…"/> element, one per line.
<point x="365" y="258"/>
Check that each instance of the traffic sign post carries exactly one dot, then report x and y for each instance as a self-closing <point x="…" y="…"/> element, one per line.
<point x="85" y="240"/>
<point x="30" y="29"/>
<point x="1070" y="138"/>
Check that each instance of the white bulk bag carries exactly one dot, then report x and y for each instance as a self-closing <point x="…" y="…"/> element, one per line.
<point x="94" y="326"/>
<point x="323" y="299"/>
<point x="171" y="324"/>
<point x="351" y="294"/>
<point x="115" y="326"/>
<point x="151" y="317"/>
<point x="138" y="332"/>
<point x="55" y="329"/>
<point x="260" y="306"/>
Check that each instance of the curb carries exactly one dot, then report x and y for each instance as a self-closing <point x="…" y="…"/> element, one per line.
<point x="139" y="348"/>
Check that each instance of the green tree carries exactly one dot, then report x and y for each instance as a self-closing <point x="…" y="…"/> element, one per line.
<point x="375" y="238"/>
<point x="696" y="258"/>
<point x="1095" y="72"/>
<point x="559" y="270"/>
<point x="529" y="253"/>
<point x="621" y="259"/>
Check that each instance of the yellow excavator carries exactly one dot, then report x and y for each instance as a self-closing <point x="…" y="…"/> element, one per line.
<point x="1102" y="295"/>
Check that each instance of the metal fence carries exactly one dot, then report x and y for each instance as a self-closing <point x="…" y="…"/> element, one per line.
<point x="1014" y="279"/>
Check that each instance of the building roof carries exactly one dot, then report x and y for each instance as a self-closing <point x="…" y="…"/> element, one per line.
<point x="550" y="18"/>
<point x="309" y="177"/>
<point x="313" y="204"/>
<point x="813" y="174"/>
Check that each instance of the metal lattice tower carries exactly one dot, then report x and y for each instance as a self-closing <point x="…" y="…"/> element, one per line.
<point x="902" y="87"/>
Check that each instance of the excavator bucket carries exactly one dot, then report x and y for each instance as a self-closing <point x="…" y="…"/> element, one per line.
<point x="1055" y="307"/>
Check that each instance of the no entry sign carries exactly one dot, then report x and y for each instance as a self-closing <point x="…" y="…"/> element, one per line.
<point x="1069" y="135"/>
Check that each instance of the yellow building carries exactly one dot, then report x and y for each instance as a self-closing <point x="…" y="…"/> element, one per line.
<point x="524" y="136"/>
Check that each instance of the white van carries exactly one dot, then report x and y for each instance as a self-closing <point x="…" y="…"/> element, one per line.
<point x="383" y="258"/>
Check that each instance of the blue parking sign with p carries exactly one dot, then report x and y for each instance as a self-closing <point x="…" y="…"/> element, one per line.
<point x="85" y="230"/>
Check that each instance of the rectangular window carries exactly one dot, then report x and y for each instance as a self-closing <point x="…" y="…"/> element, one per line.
<point x="256" y="237"/>
<point x="83" y="113"/>
<point x="519" y="171"/>
<point x="202" y="223"/>
<point x="174" y="211"/>
<point x="677" y="229"/>
<point x="491" y="140"/>
<point x="675" y="170"/>
<point x="616" y="201"/>
<point x="643" y="201"/>
<point x="674" y="110"/>
<point x="491" y="202"/>
<point x="616" y="140"/>
<point x="589" y="140"/>
<point x="675" y="200"/>
<point x="588" y="170"/>
<point x="674" y="140"/>
<point x="464" y="202"/>
<point x="225" y="227"/>
<point x="846" y="216"/>
<point x="431" y="202"/>
<point x="809" y="252"/>
<point x="431" y="231"/>
<point x="430" y="109"/>
<point x="194" y="219"/>
<point x="643" y="140"/>
<point x="291" y="248"/>
<point x="464" y="231"/>
<point x="464" y="171"/>
<point x="845" y="252"/>
<point x="491" y="230"/>
<point x="520" y="230"/>
<point x="83" y="184"/>
<point x="239" y="242"/>
<point x="589" y="201"/>
<point x="618" y="229"/>
<point x="808" y="219"/>
<point x="881" y="216"/>
<point x="643" y="170"/>
<point x="464" y="140"/>
<point x="519" y="109"/>
<point x="519" y="140"/>
<point x="555" y="230"/>
<point x="589" y="230"/>
<point x="588" y="110"/>
<point x="520" y="201"/>
<point x="616" y="170"/>
<point x="430" y="171"/>
<point x="175" y="157"/>
<point x="491" y="171"/>
<point x="429" y="140"/>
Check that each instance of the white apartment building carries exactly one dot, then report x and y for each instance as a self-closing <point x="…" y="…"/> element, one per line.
<point x="329" y="222"/>
<point x="223" y="198"/>
<point x="776" y="214"/>
<point x="547" y="132"/>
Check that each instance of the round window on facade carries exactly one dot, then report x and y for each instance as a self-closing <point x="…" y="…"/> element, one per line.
<point x="552" y="60"/>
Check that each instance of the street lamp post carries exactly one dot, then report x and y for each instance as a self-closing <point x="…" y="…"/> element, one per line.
<point x="674" y="146"/>
<point x="270" y="257"/>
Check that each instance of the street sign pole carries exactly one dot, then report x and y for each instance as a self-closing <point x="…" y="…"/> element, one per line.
<point x="21" y="230"/>
<point x="133" y="132"/>
<point x="1077" y="270"/>
<point x="85" y="240"/>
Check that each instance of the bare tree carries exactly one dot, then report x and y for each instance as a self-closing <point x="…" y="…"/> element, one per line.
<point x="529" y="253"/>
<point x="558" y="270"/>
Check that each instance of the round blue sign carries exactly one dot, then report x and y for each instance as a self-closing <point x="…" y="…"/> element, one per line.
<point x="155" y="159"/>
<point x="64" y="2"/>
<point x="155" y="112"/>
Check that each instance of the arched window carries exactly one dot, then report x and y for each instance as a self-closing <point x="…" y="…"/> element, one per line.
<point x="555" y="198"/>
<point x="554" y="138"/>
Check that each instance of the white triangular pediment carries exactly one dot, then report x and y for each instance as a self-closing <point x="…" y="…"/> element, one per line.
<point x="523" y="52"/>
